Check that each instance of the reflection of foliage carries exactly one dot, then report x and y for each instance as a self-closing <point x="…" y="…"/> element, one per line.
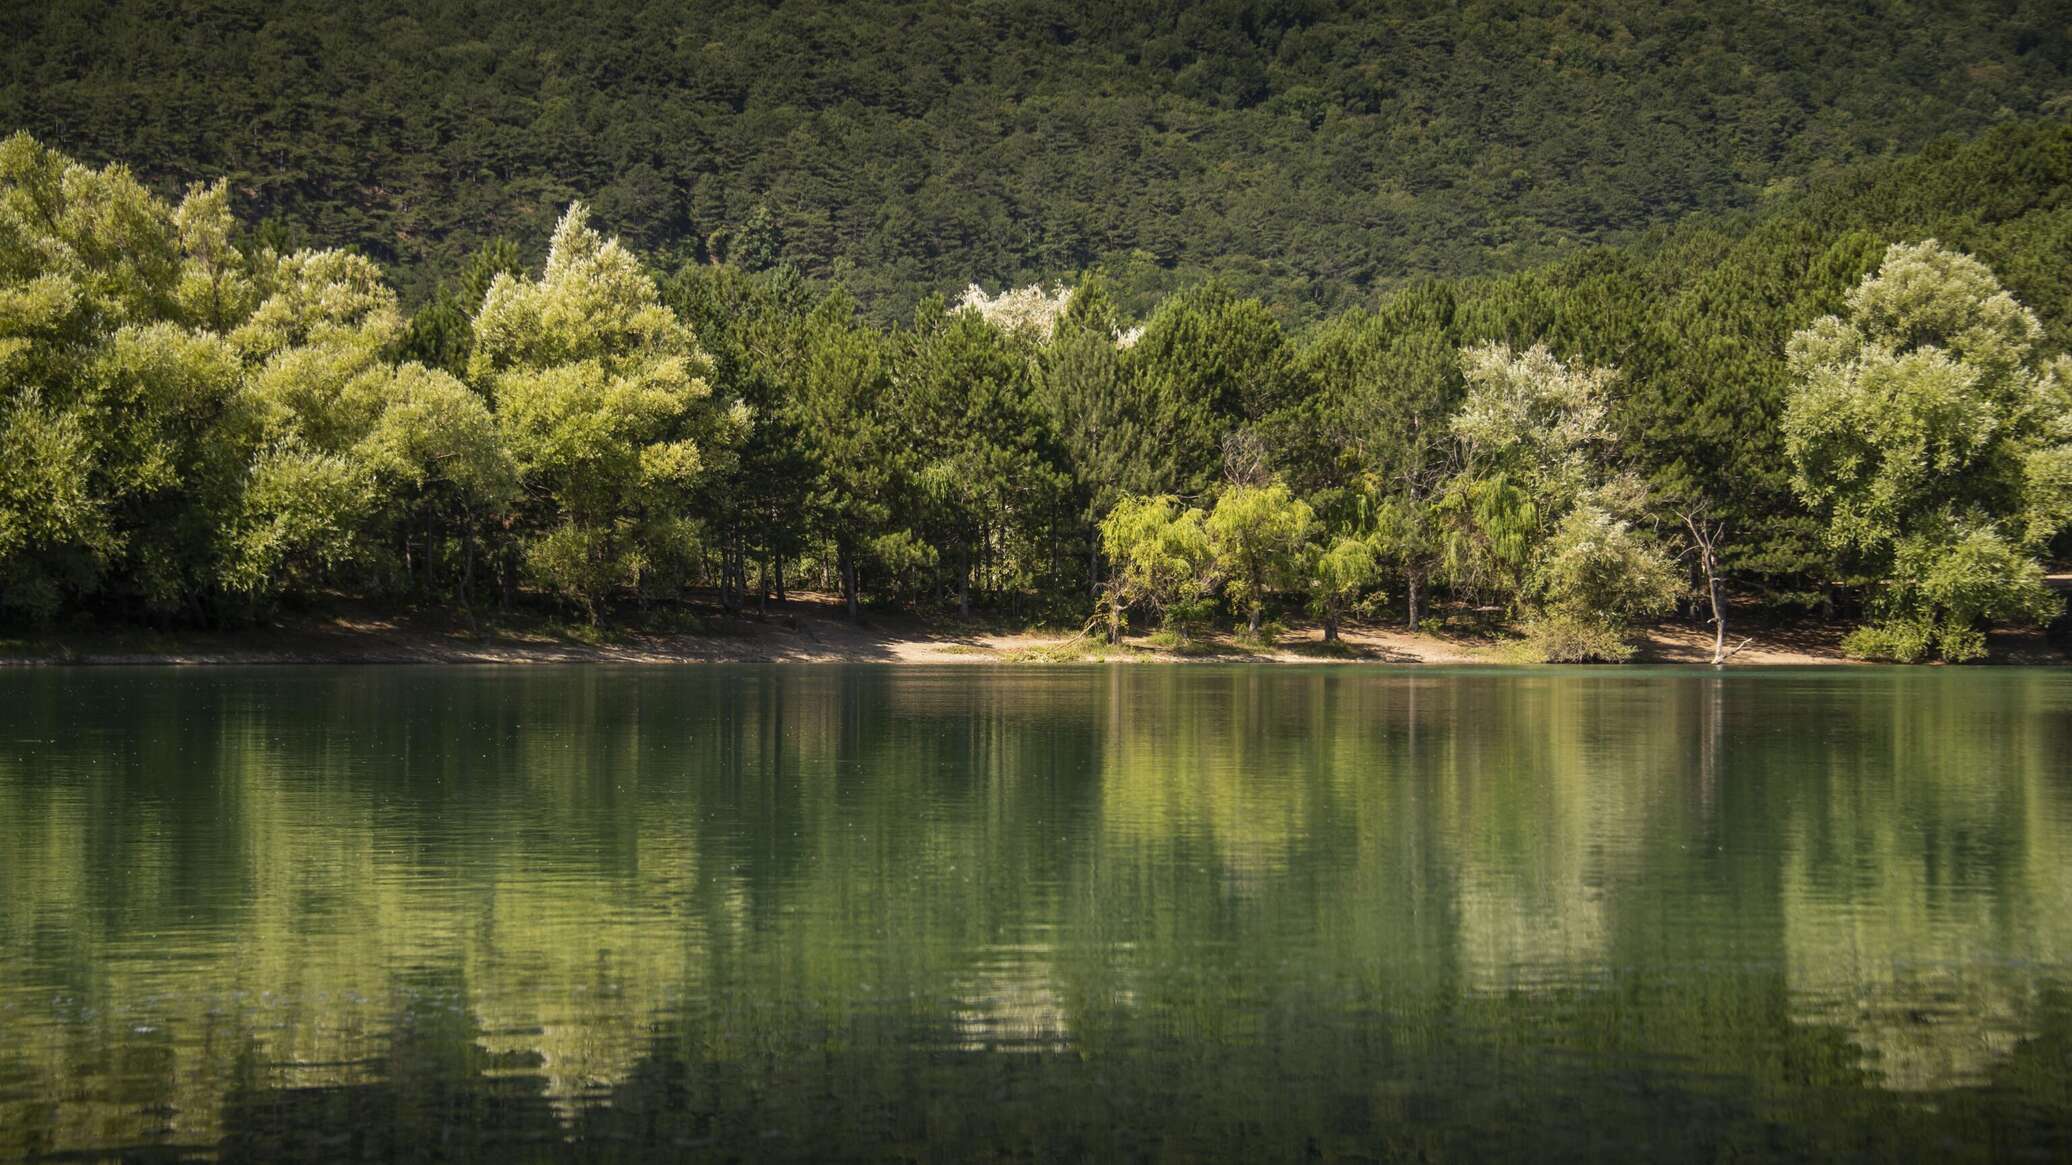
<point x="1896" y="905"/>
<point x="608" y="898"/>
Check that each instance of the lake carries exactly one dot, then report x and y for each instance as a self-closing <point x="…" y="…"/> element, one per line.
<point x="1138" y="912"/>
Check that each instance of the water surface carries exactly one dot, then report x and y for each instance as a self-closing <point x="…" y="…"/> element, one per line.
<point x="1174" y="913"/>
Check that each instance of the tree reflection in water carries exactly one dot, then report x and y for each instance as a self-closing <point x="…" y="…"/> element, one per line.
<point x="1197" y="912"/>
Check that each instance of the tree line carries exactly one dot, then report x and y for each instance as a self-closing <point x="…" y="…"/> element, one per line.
<point x="199" y="425"/>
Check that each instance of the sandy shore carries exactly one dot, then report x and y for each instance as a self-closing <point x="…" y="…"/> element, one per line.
<point x="811" y="630"/>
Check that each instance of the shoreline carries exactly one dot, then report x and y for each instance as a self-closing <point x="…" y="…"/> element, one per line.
<point x="811" y="630"/>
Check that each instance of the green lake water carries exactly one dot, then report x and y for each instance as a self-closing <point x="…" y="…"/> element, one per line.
<point x="1132" y="912"/>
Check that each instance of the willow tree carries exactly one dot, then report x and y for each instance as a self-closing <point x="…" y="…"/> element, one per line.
<point x="1258" y="534"/>
<point x="1934" y="440"/>
<point x="601" y="400"/>
<point x="1337" y="574"/>
<point x="1161" y="557"/>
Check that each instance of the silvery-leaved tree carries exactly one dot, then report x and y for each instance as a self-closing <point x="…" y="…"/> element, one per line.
<point x="1934" y="440"/>
<point x="1032" y="309"/>
<point x="1535" y="514"/>
<point x="601" y="398"/>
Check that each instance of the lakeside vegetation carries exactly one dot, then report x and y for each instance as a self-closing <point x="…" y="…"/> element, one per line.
<point x="1015" y="580"/>
<point x="1822" y="406"/>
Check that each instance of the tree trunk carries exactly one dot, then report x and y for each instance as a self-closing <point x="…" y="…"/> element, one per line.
<point x="964" y="586"/>
<point x="1057" y="549"/>
<point x="1706" y="537"/>
<point x="510" y="579"/>
<point x="780" y="578"/>
<point x="1330" y="624"/>
<point x="982" y="578"/>
<point x="1415" y="581"/>
<point x="467" y="564"/>
<point x="1114" y="617"/>
<point x="762" y="587"/>
<point x="847" y="566"/>
<point x="1256" y="603"/>
<point x="1719" y="615"/>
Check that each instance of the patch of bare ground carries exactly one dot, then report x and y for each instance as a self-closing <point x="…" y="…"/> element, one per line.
<point x="811" y="628"/>
<point x="1384" y="645"/>
<point x="1815" y="643"/>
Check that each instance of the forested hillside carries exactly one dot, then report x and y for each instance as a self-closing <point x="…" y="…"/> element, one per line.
<point x="1856" y="398"/>
<point x="1306" y="151"/>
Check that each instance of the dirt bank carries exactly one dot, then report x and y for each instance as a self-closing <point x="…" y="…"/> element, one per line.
<point x="811" y="630"/>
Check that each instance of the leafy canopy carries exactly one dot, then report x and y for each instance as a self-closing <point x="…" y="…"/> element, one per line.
<point x="1931" y="435"/>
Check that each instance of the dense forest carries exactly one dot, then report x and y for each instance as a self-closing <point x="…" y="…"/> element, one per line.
<point x="1309" y="153"/>
<point x="1854" y="398"/>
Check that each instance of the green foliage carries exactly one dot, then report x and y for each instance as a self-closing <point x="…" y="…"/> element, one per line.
<point x="1338" y="574"/>
<point x="602" y="404"/>
<point x="1946" y="585"/>
<point x="1600" y="568"/>
<point x="1538" y="515"/>
<point x="54" y="528"/>
<point x="862" y="462"/>
<point x="984" y="462"/>
<point x="300" y="521"/>
<point x="581" y="563"/>
<point x="1094" y="405"/>
<point x="1370" y="445"/>
<point x="1307" y="153"/>
<point x="1929" y="434"/>
<point x="1561" y="638"/>
<point x="1257" y="535"/>
<point x="1207" y="362"/>
<point x="1530" y="429"/>
<point x="1490" y="527"/>
<point x="1162" y="558"/>
<point x="123" y="418"/>
<point x="442" y="332"/>
<point x="198" y="421"/>
<point x="1531" y="416"/>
